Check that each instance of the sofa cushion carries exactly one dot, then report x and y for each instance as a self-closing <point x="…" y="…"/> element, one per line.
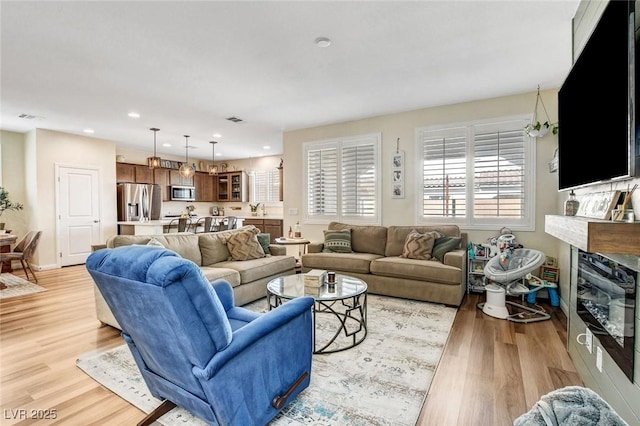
<point x="365" y="239"/>
<point x="244" y="245"/>
<point x="419" y="246"/>
<point x="155" y="243"/>
<point x="352" y="262"/>
<point x="214" y="247"/>
<point x="252" y="270"/>
<point x="443" y="245"/>
<point x="337" y="241"/>
<point x="265" y="240"/>
<point x="414" y="269"/>
<point x="213" y="274"/>
<point x="396" y="236"/>
<point x="185" y="244"/>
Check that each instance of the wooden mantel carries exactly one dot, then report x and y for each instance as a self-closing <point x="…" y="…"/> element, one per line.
<point x="593" y="235"/>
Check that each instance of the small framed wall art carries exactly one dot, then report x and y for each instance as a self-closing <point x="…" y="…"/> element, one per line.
<point x="397" y="173"/>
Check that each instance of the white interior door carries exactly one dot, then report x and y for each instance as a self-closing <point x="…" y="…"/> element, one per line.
<point x="78" y="213"/>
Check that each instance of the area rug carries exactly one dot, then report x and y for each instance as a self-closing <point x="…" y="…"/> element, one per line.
<point x="17" y="286"/>
<point x="382" y="381"/>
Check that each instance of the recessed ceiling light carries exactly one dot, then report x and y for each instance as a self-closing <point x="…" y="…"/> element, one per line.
<point x="218" y="154"/>
<point x="266" y="147"/>
<point x="134" y="115"/>
<point x="166" y="144"/>
<point x="217" y="135"/>
<point x="323" y="42"/>
<point x="88" y="131"/>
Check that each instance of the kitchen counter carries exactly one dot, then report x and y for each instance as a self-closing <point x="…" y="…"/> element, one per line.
<point x="154" y="227"/>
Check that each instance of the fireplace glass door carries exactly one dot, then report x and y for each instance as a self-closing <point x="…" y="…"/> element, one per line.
<point x="606" y="288"/>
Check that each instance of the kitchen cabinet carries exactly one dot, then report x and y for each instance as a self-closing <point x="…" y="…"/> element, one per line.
<point x="273" y="227"/>
<point x="175" y="178"/>
<point x="267" y="226"/>
<point x="135" y="173"/>
<point x="258" y="223"/>
<point x="233" y="186"/>
<point x="125" y="172"/>
<point x="205" y="186"/>
<point x="161" y="177"/>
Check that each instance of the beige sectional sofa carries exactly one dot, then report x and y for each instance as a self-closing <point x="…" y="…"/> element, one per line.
<point x="376" y="259"/>
<point x="208" y="250"/>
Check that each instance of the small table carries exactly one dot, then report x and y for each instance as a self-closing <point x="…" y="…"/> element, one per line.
<point x="294" y="242"/>
<point x="345" y="303"/>
<point x="5" y="247"/>
<point x="282" y="241"/>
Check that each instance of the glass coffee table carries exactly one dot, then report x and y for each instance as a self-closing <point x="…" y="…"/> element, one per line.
<point x="339" y="314"/>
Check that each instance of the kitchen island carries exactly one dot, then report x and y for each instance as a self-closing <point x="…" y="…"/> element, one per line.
<point x="154" y="227"/>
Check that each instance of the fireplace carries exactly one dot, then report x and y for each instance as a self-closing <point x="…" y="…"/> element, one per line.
<point x="606" y="290"/>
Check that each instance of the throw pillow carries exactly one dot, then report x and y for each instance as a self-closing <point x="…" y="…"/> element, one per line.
<point x="419" y="246"/>
<point x="265" y="240"/>
<point x="154" y="242"/>
<point x="338" y="241"/>
<point x="443" y="245"/>
<point x="244" y="245"/>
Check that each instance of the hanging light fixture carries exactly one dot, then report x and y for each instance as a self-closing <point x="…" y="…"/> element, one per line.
<point x="154" y="162"/>
<point x="213" y="170"/>
<point x="186" y="170"/>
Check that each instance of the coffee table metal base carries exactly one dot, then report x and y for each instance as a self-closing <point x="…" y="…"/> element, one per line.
<point x="351" y="316"/>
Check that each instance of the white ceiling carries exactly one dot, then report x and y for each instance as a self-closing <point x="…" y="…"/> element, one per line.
<point x="187" y="66"/>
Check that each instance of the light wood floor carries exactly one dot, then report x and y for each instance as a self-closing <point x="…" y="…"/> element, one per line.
<point x="491" y="371"/>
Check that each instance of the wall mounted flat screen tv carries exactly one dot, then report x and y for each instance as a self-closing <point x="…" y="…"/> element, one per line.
<point x="596" y="112"/>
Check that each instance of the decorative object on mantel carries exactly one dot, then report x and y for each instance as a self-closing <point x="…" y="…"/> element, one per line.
<point x="535" y="129"/>
<point x="7" y="204"/>
<point x="624" y="213"/>
<point x="571" y="205"/>
<point x="598" y="205"/>
<point x="397" y="171"/>
<point x="154" y="162"/>
<point x="213" y="170"/>
<point x="186" y="169"/>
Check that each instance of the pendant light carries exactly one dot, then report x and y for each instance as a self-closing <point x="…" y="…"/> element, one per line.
<point x="213" y="170"/>
<point x="154" y="162"/>
<point x="186" y="170"/>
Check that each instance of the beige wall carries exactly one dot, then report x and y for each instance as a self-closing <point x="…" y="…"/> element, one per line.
<point x="403" y="126"/>
<point x="12" y="146"/>
<point x="31" y="166"/>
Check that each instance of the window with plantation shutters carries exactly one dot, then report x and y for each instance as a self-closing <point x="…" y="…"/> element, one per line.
<point x="343" y="180"/>
<point x="478" y="175"/>
<point x="265" y="186"/>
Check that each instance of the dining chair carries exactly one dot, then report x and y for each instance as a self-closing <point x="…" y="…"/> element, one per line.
<point x="203" y="224"/>
<point x="229" y="222"/>
<point x="183" y="224"/>
<point x="23" y="251"/>
<point x="215" y="224"/>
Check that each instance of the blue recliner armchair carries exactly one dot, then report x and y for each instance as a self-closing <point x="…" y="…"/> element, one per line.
<point x="194" y="348"/>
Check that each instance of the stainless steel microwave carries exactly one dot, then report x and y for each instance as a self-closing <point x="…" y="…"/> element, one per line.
<point x="183" y="193"/>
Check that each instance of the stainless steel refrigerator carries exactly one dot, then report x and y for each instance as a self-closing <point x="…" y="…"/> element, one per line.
<point x="138" y="202"/>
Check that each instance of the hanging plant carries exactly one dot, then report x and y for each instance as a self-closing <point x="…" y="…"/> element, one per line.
<point x="536" y="129"/>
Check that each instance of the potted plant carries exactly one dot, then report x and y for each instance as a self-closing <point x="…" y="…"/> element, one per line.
<point x="254" y="209"/>
<point x="7" y="204"/>
<point x="535" y="129"/>
<point x="539" y="130"/>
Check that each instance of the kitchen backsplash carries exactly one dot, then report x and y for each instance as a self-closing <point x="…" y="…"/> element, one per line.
<point x="230" y="209"/>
